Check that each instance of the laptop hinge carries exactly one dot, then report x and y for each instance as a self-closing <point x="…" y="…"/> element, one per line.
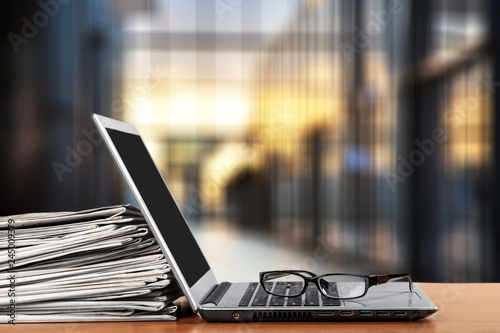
<point x="216" y="294"/>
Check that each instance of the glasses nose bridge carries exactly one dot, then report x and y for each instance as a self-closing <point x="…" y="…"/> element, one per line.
<point x="310" y="279"/>
<point x="314" y="280"/>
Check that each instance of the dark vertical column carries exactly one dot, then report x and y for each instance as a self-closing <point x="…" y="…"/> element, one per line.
<point x="353" y="46"/>
<point x="399" y="62"/>
<point x="20" y="115"/>
<point x="350" y="77"/>
<point x="425" y="228"/>
<point x="88" y="41"/>
<point x="495" y="211"/>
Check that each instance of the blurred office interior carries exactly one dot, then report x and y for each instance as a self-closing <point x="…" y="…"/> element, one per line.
<point x="349" y="135"/>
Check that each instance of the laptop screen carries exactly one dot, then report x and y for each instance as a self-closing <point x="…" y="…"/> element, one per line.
<point x="161" y="205"/>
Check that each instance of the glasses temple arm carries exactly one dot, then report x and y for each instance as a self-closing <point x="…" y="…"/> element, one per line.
<point x="380" y="279"/>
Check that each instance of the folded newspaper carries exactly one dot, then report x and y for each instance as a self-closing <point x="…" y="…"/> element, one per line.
<point x="99" y="264"/>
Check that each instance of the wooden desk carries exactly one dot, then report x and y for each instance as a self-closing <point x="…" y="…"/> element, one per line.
<point x="462" y="308"/>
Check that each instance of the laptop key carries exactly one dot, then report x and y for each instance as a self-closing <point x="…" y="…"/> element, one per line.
<point x="280" y="288"/>
<point x="295" y="287"/>
<point x="261" y="297"/>
<point x="330" y="301"/>
<point x="247" y="296"/>
<point x="312" y="296"/>
<point x="294" y="301"/>
<point x="277" y="301"/>
<point x="259" y="301"/>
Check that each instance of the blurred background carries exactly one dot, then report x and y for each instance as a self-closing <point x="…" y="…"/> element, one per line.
<point x="356" y="136"/>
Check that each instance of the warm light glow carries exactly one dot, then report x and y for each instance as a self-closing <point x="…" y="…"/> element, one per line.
<point x="182" y="112"/>
<point x="231" y="112"/>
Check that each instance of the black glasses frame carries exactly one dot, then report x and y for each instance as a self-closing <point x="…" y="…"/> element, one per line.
<point x="370" y="281"/>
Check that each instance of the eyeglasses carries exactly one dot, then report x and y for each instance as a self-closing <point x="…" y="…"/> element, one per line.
<point x="336" y="286"/>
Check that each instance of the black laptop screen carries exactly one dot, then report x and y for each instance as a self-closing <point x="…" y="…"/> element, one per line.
<point x="161" y="205"/>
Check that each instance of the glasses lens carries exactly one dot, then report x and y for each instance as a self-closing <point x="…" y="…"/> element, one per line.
<point x="342" y="286"/>
<point x="283" y="284"/>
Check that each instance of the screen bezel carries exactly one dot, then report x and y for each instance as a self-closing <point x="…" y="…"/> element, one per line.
<point x="207" y="282"/>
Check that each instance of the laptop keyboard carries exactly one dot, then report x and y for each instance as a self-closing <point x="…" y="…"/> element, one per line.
<point x="255" y="295"/>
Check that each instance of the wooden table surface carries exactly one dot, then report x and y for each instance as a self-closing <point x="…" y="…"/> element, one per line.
<point x="473" y="307"/>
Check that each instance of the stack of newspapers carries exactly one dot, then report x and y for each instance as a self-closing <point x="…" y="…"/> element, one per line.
<point x="94" y="265"/>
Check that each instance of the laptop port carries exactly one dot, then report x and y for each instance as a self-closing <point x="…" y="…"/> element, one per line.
<point x="325" y="313"/>
<point x="346" y="313"/>
<point x="400" y="313"/>
<point x="365" y="312"/>
<point x="382" y="313"/>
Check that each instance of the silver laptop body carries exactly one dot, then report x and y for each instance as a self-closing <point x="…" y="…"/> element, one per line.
<point x="234" y="302"/>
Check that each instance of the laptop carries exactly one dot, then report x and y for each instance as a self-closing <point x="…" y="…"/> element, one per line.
<point x="236" y="302"/>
